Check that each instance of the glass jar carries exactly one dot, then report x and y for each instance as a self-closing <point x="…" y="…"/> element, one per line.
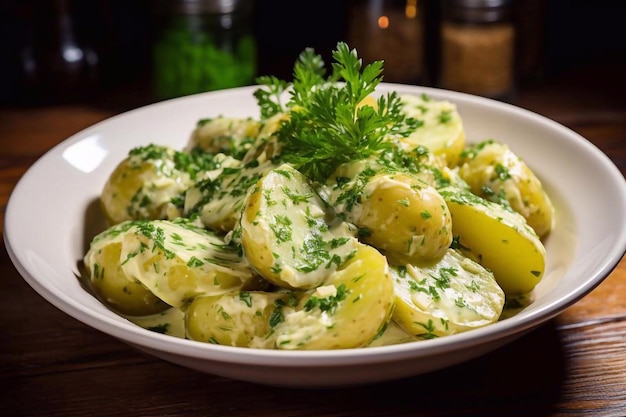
<point x="478" y="47"/>
<point x="203" y="45"/>
<point x="392" y="31"/>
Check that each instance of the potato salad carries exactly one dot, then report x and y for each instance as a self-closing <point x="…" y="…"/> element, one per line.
<point x="337" y="218"/>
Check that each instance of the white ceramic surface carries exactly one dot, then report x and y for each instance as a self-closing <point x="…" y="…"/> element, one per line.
<point x="52" y="215"/>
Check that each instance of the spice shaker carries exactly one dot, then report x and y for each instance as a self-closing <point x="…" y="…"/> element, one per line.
<point x="478" y="47"/>
<point x="203" y="45"/>
<point x="392" y="31"/>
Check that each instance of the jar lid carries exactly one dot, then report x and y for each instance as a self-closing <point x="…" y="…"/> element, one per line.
<point x="478" y="11"/>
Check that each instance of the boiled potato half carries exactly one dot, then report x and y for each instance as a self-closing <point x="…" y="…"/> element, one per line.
<point x="349" y="310"/>
<point x="289" y="235"/>
<point x="239" y="318"/>
<point x="451" y="296"/>
<point x="498" y="238"/>
<point x="143" y="184"/>
<point x="396" y="212"/>
<point x="441" y="131"/>
<point x="218" y="201"/>
<point x="174" y="260"/>
<point x="228" y="135"/>
<point x="495" y="172"/>
<point x="121" y="293"/>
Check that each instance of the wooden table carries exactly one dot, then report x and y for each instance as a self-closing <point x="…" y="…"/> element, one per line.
<point x="53" y="365"/>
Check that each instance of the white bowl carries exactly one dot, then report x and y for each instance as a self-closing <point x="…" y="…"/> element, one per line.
<point x="52" y="216"/>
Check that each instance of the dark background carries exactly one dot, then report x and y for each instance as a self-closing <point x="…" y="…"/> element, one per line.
<point x="559" y="35"/>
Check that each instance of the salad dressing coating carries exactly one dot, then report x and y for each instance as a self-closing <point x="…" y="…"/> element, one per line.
<point x="338" y="218"/>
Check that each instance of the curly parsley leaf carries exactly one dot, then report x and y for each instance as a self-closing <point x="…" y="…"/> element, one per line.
<point x="328" y="123"/>
<point x="308" y="74"/>
<point x="269" y="97"/>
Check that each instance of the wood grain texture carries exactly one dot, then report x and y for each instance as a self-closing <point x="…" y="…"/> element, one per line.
<point x="53" y="365"/>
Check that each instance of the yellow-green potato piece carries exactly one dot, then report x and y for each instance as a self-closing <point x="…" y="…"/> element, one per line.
<point x="228" y="135"/>
<point x="498" y="238"/>
<point x="218" y="201"/>
<point x="395" y="212"/>
<point x="289" y="235"/>
<point x="442" y="129"/>
<point x="493" y="171"/>
<point x="266" y="146"/>
<point x="174" y="260"/>
<point x="143" y="185"/>
<point x="115" y="289"/>
<point x="405" y="217"/>
<point x="239" y="318"/>
<point x="451" y="296"/>
<point x="348" y="311"/>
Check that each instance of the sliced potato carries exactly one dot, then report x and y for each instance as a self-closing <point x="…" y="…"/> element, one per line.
<point x="218" y="201"/>
<point x="442" y="129"/>
<point x="119" y="292"/>
<point x="405" y="217"/>
<point x="395" y="212"/>
<point x="228" y="135"/>
<point x="239" y="318"/>
<point x="498" y="238"/>
<point x="493" y="171"/>
<point x="419" y="162"/>
<point x="451" y="296"/>
<point x="289" y="235"/>
<point x="150" y="183"/>
<point x="174" y="260"/>
<point x="352" y="307"/>
<point x="143" y="184"/>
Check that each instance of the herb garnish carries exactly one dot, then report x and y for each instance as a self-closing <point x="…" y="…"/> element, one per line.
<point x="328" y="124"/>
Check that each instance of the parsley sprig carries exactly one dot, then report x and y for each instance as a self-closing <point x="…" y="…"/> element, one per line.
<point x="269" y="98"/>
<point x="327" y="124"/>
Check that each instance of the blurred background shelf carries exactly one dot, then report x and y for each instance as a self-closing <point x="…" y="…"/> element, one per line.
<point x="555" y="39"/>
